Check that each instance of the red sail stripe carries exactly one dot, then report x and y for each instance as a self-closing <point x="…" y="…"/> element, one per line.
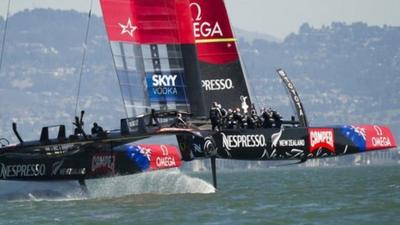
<point x="211" y="27"/>
<point x="148" y="22"/>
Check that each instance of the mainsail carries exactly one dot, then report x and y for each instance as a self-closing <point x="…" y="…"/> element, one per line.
<point x="222" y="75"/>
<point x="154" y="54"/>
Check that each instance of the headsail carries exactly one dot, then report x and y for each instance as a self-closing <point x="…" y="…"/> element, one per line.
<point x="222" y="75"/>
<point x="154" y="54"/>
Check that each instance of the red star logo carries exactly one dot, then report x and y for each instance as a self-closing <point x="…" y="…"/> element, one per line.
<point x="129" y="28"/>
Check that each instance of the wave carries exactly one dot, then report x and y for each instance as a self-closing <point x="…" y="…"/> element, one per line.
<point x="157" y="182"/>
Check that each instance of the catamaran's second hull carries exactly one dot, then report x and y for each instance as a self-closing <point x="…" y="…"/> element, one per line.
<point x="297" y="143"/>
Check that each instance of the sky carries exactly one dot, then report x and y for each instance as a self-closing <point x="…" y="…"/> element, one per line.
<point x="274" y="17"/>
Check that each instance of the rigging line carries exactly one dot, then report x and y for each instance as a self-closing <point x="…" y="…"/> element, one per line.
<point x="4" y="34"/>
<point x="83" y="57"/>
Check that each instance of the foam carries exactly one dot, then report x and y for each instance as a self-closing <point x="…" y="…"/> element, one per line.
<point x="157" y="182"/>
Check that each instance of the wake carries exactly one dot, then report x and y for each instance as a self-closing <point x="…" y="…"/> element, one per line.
<point x="158" y="182"/>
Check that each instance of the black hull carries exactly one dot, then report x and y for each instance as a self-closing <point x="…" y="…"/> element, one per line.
<point x="117" y="156"/>
<point x="294" y="143"/>
<point x="85" y="163"/>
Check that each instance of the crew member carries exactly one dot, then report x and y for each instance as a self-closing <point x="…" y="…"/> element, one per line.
<point x="277" y="119"/>
<point x="238" y="118"/>
<point x="224" y="114"/>
<point x="251" y="123"/>
<point x="267" y="118"/>
<point x="153" y="117"/>
<point x="229" y="121"/>
<point x="179" y="121"/>
<point x="255" y="119"/>
<point x="215" y="117"/>
<point x="96" y="129"/>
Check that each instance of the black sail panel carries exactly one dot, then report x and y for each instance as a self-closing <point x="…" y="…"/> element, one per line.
<point x="222" y="74"/>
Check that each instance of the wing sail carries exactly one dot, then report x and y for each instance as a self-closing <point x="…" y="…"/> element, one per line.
<point x="222" y="74"/>
<point x="152" y="43"/>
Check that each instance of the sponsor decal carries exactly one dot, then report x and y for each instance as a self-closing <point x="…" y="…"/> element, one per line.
<point x="57" y="170"/>
<point x="72" y="171"/>
<point x="103" y="164"/>
<point x="167" y="87"/>
<point x="164" y="160"/>
<point x="164" y="80"/>
<point x="296" y="146"/>
<point x="164" y="84"/>
<point x="217" y="84"/>
<point x="127" y="28"/>
<point x="154" y="156"/>
<point x="203" y="28"/>
<point x="22" y="170"/>
<point x="56" y="167"/>
<point x="321" y="138"/>
<point x="380" y="139"/>
<point x="230" y="142"/>
<point x="292" y="91"/>
<point x="369" y="137"/>
<point x="292" y="143"/>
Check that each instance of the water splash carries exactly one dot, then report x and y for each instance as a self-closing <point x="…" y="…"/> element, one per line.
<point x="158" y="182"/>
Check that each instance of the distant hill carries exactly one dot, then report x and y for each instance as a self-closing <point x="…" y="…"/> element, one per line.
<point x="249" y="36"/>
<point x="345" y="73"/>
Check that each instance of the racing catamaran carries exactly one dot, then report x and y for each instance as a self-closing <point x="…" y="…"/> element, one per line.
<point x="177" y="56"/>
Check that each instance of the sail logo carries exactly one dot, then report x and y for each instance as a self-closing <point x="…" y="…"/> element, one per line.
<point x="217" y="84"/>
<point x="22" y="170"/>
<point x="129" y="28"/>
<point x="164" y="80"/>
<point x="164" y="84"/>
<point x="292" y="91"/>
<point x="243" y="141"/>
<point x="321" y="138"/>
<point x="204" y="28"/>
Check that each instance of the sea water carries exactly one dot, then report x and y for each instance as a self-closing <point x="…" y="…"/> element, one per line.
<point x="285" y="195"/>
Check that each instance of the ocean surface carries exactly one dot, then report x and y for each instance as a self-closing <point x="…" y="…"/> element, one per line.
<point x="284" y="195"/>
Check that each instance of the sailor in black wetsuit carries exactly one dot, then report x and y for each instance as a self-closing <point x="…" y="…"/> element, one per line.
<point x="251" y="123"/>
<point x="229" y="121"/>
<point x="238" y="118"/>
<point x="179" y="122"/>
<point x="224" y="114"/>
<point x="96" y="129"/>
<point x="215" y="117"/>
<point x="253" y="120"/>
<point x="277" y="119"/>
<point x="267" y="118"/>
